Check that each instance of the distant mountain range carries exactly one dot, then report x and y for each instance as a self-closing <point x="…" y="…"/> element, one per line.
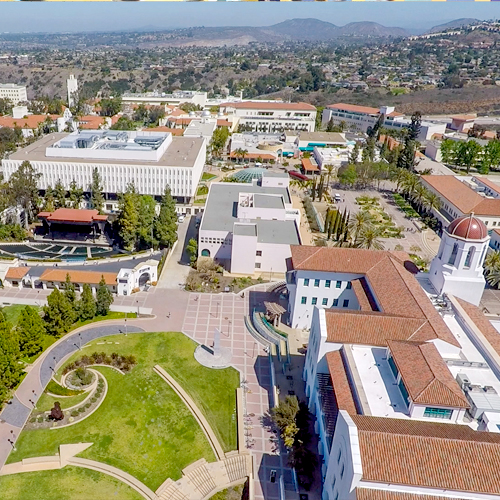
<point x="309" y="29"/>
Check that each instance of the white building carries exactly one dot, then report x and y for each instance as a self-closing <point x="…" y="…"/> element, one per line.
<point x="201" y="128"/>
<point x="175" y="98"/>
<point x="248" y="228"/>
<point x="266" y="116"/>
<point x="307" y="141"/>
<point x="14" y="93"/>
<point x="458" y="267"/>
<point x="401" y="385"/>
<point x="360" y="118"/>
<point x="130" y="280"/>
<point x="72" y="87"/>
<point x="152" y="160"/>
<point x="464" y="195"/>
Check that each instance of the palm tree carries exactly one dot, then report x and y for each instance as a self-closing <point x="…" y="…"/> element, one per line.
<point x="358" y="223"/>
<point x="329" y="170"/>
<point x="493" y="277"/>
<point x="419" y="195"/>
<point x="432" y="201"/>
<point x="410" y="184"/>
<point x="369" y="239"/>
<point x="492" y="262"/>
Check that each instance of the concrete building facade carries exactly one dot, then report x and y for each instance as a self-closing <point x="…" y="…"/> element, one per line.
<point x="14" y="93"/>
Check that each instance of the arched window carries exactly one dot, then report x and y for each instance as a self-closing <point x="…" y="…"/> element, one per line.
<point x="470" y="256"/>
<point x="205" y="253"/>
<point x="453" y="255"/>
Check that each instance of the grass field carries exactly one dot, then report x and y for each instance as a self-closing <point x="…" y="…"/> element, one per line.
<point x="70" y="483"/>
<point x="207" y="177"/>
<point x="46" y="402"/>
<point x="143" y="427"/>
<point x="13" y="312"/>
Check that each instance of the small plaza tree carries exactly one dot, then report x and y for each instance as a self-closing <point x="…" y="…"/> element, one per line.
<point x="104" y="298"/>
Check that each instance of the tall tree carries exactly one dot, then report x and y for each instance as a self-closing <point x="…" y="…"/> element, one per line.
<point x="104" y="298"/>
<point x="111" y="107"/>
<point x="88" y="305"/>
<point x="23" y="185"/>
<point x="58" y="314"/>
<point x="468" y="154"/>
<point x="128" y="219"/>
<point x="96" y="188"/>
<point x="75" y="194"/>
<point x="354" y="156"/>
<point x="49" y="200"/>
<point x="59" y="195"/>
<point x="30" y="331"/>
<point x="165" y="225"/>
<point x="448" y="151"/>
<point x="10" y="369"/>
<point x="70" y="294"/>
<point x="147" y="208"/>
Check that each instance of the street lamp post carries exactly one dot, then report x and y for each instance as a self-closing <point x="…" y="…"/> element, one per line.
<point x="126" y="324"/>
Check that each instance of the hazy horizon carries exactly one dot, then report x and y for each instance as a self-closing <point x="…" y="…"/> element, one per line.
<point x="30" y="17"/>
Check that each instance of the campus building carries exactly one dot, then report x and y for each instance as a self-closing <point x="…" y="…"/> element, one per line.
<point x="14" y="93"/>
<point x="401" y="380"/>
<point x="151" y="160"/>
<point x="271" y="116"/>
<point x="361" y="118"/>
<point x="162" y="98"/>
<point x="465" y="195"/>
<point x="248" y="228"/>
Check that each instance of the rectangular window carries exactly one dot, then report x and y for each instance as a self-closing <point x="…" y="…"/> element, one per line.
<point x="324" y="302"/>
<point x="306" y="281"/>
<point x="316" y="283"/>
<point x="338" y="284"/>
<point x="303" y="300"/>
<point x="349" y="285"/>
<point x="257" y="265"/>
<point x="346" y="303"/>
<point x="258" y="253"/>
<point x="442" y="413"/>
<point x="314" y="301"/>
<point x="335" y="302"/>
<point x="328" y="283"/>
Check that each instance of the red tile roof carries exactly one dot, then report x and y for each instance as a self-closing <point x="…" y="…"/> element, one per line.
<point x="90" y="277"/>
<point x="428" y="455"/>
<point x="295" y="106"/>
<point x="373" y="494"/>
<point x="173" y="131"/>
<point x="72" y="215"/>
<point x="492" y="185"/>
<point x="425" y="375"/>
<point x="308" y="166"/>
<point x="462" y="196"/>
<point x="30" y="122"/>
<point x="91" y="122"/>
<point x="341" y="387"/>
<point x="354" y="108"/>
<point x="14" y="273"/>
<point x="390" y="278"/>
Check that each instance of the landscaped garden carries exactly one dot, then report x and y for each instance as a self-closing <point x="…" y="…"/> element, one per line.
<point x="379" y="219"/>
<point x="70" y="483"/>
<point x="142" y="426"/>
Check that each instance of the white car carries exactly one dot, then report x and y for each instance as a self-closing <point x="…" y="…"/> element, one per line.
<point x="180" y="219"/>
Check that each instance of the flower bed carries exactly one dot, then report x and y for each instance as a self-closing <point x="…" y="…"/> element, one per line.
<point x="123" y="363"/>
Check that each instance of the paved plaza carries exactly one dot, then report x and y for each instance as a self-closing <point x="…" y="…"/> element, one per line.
<point x="204" y="313"/>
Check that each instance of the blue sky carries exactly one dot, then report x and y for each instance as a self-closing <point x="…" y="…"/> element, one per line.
<point x="95" y="16"/>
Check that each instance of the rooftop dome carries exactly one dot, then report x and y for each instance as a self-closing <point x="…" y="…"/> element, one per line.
<point x="468" y="227"/>
<point x="248" y="174"/>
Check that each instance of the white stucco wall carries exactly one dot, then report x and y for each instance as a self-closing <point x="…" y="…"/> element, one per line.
<point x="243" y="254"/>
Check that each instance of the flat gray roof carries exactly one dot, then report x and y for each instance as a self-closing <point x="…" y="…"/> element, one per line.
<point x="222" y="204"/>
<point x="322" y="137"/>
<point x="268" y="201"/>
<point x="245" y="229"/>
<point x="268" y="173"/>
<point x="181" y="153"/>
<point x="282" y="232"/>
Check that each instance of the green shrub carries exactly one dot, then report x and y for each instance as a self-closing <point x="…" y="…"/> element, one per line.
<point x="40" y="420"/>
<point x="74" y="413"/>
<point x="32" y="420"/>
<point x="87" y="406"/>
<point x="81" y="409"/>
<point x="93" y="400"/>
<point x="54" y="388"/>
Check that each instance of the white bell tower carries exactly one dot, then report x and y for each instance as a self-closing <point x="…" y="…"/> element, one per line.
<point x="458" y="267"/>
<point x="72" y="85"/>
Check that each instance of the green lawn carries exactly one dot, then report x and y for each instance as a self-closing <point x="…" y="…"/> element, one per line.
<point x="207" y="177"/>
<point x="46" y="402"/>
<point x="142" y="426"/>
<point x="13" y="312"/>
<point x="70" y="483"/>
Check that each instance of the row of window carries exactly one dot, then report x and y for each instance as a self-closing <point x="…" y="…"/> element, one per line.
<point x="328" y="283"/>
<point x="220" y="241"/>
<point x="324" y="302"/>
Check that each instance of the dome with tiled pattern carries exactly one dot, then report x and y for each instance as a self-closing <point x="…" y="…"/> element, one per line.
<point x="468" y="227"/>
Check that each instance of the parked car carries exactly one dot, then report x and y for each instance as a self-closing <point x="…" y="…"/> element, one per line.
<point x="180" y="219"/>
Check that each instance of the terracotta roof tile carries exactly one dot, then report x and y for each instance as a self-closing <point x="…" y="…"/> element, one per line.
<point x="427" y="454"/>
<point x="482" y="323"/>
<point x="372" y="494"/>
<point x="355" y="108"/>
<point x="308" y="166"/>
<point x="17" y="272"/>
<point x="173" y="131"/>
<point x="30" y="122"/>
<point x="394" y="287"/>
<point x="364" y="295"/>
<point x="462" y="196"/>
<point x="72" y="215"/>
<point x="90" y="277"/>
<point x="341" y="387"/>
<point x="425" y="375"/>
<point x="492" y="185"/>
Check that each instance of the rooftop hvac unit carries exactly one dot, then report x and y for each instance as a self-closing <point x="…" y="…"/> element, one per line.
<point x="489" y="389"/>
<point x="462" y="380"/>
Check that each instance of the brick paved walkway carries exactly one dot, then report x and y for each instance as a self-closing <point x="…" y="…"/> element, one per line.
<point x="204" y="313"/>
